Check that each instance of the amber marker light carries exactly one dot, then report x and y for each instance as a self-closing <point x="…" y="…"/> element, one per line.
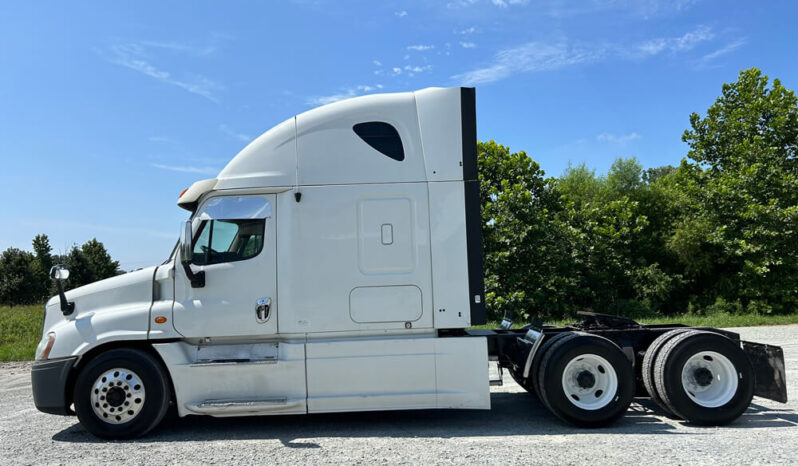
<point x="50" y="342"/>
<point x="182" y="192"/>
<point x="160" y="320"/>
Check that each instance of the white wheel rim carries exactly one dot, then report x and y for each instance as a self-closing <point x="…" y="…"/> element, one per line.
<point x="709" y="379"/>
<point x="117" y="396"/>
<point x="589" y="382"/>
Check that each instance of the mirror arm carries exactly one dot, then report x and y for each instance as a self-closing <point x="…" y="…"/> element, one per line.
<point x="67" y="307"/>
<point x="197" y="279"/>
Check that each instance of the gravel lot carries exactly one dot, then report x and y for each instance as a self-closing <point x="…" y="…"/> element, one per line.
<point x="517" y="430"/>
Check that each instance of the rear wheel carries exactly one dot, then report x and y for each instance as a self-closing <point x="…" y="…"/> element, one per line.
<point x="704" y="378"/>
<point x="534" y="370"/>
<point x="647" y="369"/>
<point x="123" y="393"/>
<point x="525" y="383"/>
<point x="586" y="380"/>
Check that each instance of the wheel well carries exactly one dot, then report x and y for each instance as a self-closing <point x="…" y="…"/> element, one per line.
<point x="87" y="357"/>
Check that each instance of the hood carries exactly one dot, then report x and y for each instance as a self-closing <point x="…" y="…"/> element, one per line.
<point x="119" y="292"/>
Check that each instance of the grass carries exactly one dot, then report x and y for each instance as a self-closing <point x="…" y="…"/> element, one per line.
<point x="21" y="326"/>
<point x="20" y="331"/>
<point x="720" y="320"/>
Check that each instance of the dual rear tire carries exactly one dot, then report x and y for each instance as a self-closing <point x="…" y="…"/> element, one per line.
<point x="702" y="377"/>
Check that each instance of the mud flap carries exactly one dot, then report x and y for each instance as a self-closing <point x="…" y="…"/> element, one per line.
<point x="768" y="363"/>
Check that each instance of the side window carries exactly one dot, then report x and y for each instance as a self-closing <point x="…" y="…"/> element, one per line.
<point x="383" y="137"/>
<point x="230" y="229"/>
<point x="228" y="241"/>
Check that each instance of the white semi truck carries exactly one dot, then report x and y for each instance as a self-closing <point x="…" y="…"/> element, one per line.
<point x="335" y="265"/>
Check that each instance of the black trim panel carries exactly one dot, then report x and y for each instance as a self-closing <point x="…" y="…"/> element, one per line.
<point x="48" y="380"/>
<point x="468" y="117"/>
<point x="473" y="215"/>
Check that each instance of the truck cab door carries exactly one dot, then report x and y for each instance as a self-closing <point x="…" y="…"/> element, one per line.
<point x="234" y="245"/>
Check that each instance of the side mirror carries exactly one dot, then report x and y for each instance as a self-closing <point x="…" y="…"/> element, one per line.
<point x="58" y="273"/>
<point x="186" y="251"/>
<point x="186" y="254"/>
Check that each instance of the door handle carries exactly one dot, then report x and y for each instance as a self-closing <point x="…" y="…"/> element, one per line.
<point x="263" y="310"/>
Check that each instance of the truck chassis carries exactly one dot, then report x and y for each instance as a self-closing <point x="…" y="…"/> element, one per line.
<point x="522" y="351"/>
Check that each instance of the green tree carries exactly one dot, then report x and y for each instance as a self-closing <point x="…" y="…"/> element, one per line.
<point x="527" y="257"/>
<point x="100" y="262"/>
<point x="621" y="223"/>
<point x="652" y="175"/>
<point x="89" y="263"/>
<point x="43" y="260"/>
<point x="625" y="176"/>
<point x="18" y="283"/>
<point x="43" y="251"/>
<point x="744" y="227"/>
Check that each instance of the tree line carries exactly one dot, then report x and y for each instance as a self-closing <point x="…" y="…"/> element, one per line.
<point x="719" y="232"/>
<point x="25" y="279"/>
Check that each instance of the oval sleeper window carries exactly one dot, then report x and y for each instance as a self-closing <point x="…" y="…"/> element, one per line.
<point x="383" y="137"/>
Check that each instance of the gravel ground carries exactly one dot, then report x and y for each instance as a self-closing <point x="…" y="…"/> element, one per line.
<point x="517" y="430"/>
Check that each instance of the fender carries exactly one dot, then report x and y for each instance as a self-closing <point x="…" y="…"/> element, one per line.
<point x="110" y="310"/>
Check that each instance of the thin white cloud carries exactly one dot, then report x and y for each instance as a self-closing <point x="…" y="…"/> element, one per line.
<point x="161" y="139"/>
<point x="467" y="45"/>
<point x="344" y="94"/>
<point x="240" y="136"/>
<point x="418" y="69"/>
<point x="617" y="138"/>
<point x="460" y="4"/>
<point x="505" y="3"/>
<point x="412" y="70"/>
<point x="420" y="48"/>
<point x="530" y="57"/>
<point x="376" y="62"/>
<point x="188" y="169"/>
<point x="180" y="47"/>
<point x="707" y="59"/>
<point x="540" y="56"/>
<point x="401" y="14"/>
<point x="467" y="31"/>
<point x="134" y="57"/>
<point x="560" y="9"/>
<point x="682" y="43"/>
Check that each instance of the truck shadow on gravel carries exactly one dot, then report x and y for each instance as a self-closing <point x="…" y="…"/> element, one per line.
<point x="512" y="414"/>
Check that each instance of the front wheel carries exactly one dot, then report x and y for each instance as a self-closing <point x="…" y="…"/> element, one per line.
<point x="123" y="393"/>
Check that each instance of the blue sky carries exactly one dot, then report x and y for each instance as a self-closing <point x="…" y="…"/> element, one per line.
<point x="107" y="111"/>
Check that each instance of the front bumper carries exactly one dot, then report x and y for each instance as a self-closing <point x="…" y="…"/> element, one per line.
<point x="49" y="382"/>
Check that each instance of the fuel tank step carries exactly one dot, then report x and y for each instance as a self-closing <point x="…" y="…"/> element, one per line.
<point x="242" y="406"/>
<point x="232" y="362"/>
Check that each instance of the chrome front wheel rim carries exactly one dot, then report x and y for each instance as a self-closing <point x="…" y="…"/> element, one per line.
<point x="117" y="396"/>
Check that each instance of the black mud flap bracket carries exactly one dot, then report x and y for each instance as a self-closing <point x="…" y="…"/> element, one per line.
<point x="769" y="374"/>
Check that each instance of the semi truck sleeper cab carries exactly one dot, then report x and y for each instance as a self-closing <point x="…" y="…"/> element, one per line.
<point x="334" y="265"/>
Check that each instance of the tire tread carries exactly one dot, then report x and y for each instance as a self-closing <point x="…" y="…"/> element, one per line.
<point x="647" y="367"/>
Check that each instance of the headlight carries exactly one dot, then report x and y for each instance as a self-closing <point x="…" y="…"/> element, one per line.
<point x="48" y="342"/>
